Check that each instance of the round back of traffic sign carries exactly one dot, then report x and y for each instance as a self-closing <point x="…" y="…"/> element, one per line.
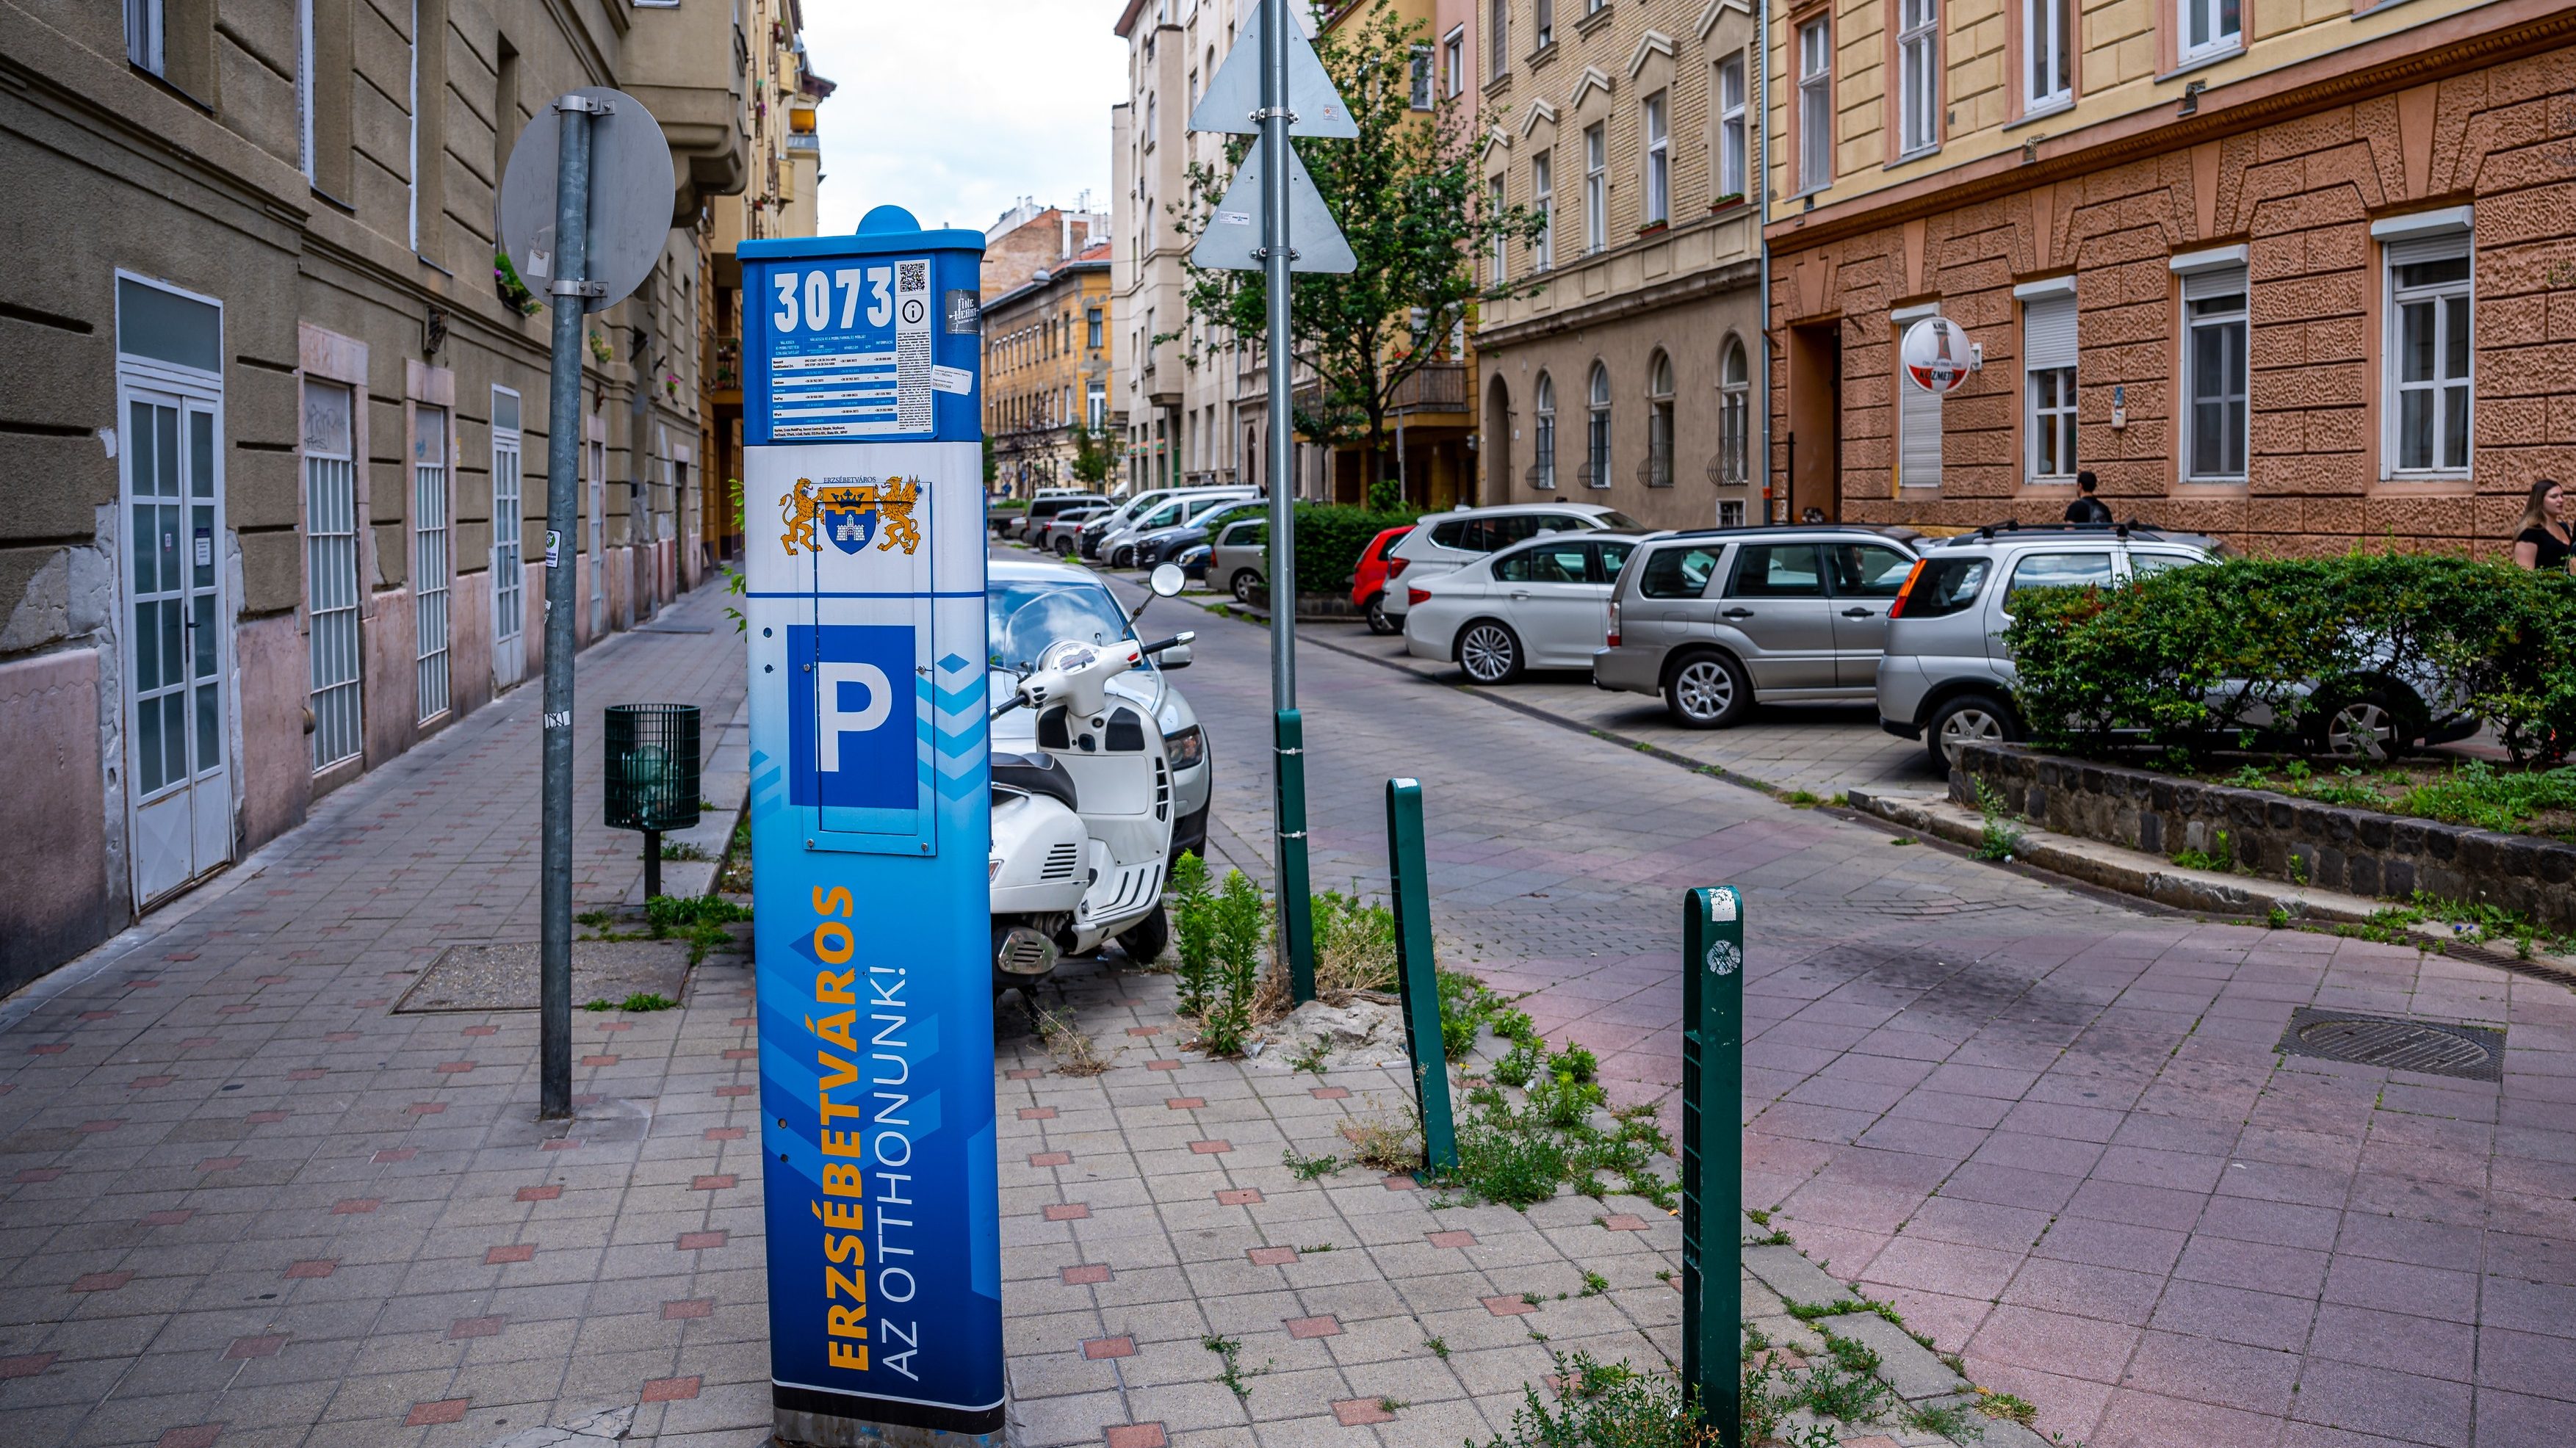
<point x="631" y="187"/>
<point x="1937" y="355"/>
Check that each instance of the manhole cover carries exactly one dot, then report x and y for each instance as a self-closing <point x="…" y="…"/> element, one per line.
<point x="2474" y="1052"/>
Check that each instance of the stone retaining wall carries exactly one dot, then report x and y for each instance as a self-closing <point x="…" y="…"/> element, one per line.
<point x="2360" y="851"/>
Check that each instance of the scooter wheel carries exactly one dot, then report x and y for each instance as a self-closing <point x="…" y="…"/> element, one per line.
<point x="1145" y="940"/>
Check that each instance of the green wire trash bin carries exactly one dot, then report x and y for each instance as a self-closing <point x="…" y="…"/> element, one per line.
<point x="652" y="766"/>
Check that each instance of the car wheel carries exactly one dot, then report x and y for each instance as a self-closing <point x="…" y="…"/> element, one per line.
<point x="2374" y="725"/>
<point x="1707" y="691"/>
<point x="1144" y="941"/>
<point x="1379" y="621"/>
<point x="1242" y="584"/>
<point x="1968" y="719"/>
<point x="1489" y="653"/>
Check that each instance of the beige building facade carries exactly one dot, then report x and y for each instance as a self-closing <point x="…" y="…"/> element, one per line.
<point x="1628" y="371"/>
<point x="277" y="463"/>
<point x="2291" y="272"/>
<point x="1049" y="350"/>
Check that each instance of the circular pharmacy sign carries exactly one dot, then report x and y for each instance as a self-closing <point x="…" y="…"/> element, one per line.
<point x="1936" y="355"/>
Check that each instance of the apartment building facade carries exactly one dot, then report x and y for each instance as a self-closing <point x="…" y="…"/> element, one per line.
<point x="781" y="196"/>
<point x="1048" y="355"/>
<point x="276" y="435"/>
<point x="1625" y="369"/>
<point x="2291" y="272"/>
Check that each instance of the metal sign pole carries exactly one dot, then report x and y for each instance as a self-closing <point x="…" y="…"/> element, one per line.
<point x="1296" y="925"/>
<point x="1713" y="1152"/>
<point x="563" y="443"/>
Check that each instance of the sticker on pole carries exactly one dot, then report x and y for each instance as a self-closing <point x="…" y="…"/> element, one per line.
<point x="1721" y="904"/>
<point x="1937" y="355"/>
<point x="1724" y="958"/>
<point x="849" y="349"/>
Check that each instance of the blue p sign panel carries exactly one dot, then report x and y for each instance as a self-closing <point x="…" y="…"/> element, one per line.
<point x="870" y="829"/>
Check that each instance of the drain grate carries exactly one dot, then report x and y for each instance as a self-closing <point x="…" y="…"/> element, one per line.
<point x="2431" y="1047"/>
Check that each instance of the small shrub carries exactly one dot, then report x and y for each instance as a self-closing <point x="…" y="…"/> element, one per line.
<point x="2220" y="856"/>
<point x="1309" y="1168"/>
<point x="1193" y="915"/>
<point x="1384" y="1146"/>
<point x="1576" y="1062"/>
<point x="2001" y="837"/>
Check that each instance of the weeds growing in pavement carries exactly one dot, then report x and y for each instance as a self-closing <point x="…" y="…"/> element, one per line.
<point x="1612" y="1405"/>
<point x="1954" y="1421"/>
<point x="683" y="850"/>
<point x="1230" y="1351"/>
<point x="2220" y="856"/>
<point x="1188" y="898"/>
<point x="1308" y="1168"/>
<point x="697" y="919"/>
<point x="1222" y="937"/>
<point x="1075" y="1053"/>
<point x="1439" y="1347"/>
<point x="1317" y="1055"/>
<point x="1384" y="1145"/>
<point x="2007" y="1407"/>
<point x="1594" y="1284"/>
<point x="2001" y="837"/>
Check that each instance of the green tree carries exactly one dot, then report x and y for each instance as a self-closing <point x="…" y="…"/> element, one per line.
<point x="1090" y="453"/>
<point x="1406" y="197"/>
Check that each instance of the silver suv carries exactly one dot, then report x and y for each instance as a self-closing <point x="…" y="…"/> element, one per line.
<point x="1715" y="619"/>
<point x="1947" y="679"/>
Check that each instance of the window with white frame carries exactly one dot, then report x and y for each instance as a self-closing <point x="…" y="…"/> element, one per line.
<point x="2211" y="27"/>
<point x="2048" y="380"/>
<point x="1918" y="419"/>
<point x="1731" y="150"/>
<point x="1816" y="104"/>
<point x="509" y="578"/>
<point x="1659" y="421"/>
<point x="1659" y="160"/>
<point x="1502" y="238"/>
<point x="2215" y="392"/>
<point x="1543" y="201"/>
<point x="1498" y="49"/>
<point x="331" y="572"/>
<point x="1542" y="473"/>
<point x="1734" y="416"/>
<point x="1421" y="100"/>
<point x="1918" y="75"/>
<point x="1730" y="514"/>
<point x="2429" y="356"/>
<point x="2048" y="52"/>
<point x="1453" y="62"/>
<point x="144" y="35"/>
<point x="1596" y="452"/>
<point x="1596" y="186"/>
<point x="432" y="565"/>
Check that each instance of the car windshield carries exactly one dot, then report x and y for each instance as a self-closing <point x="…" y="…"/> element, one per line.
<point x="1022" y="618"/>
<point x="1616" y="519"/>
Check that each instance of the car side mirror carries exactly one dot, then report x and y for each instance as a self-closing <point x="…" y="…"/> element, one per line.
<point x="1166" y="580"/>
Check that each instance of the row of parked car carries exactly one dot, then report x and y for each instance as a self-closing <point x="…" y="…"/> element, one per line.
<point x="1150" y="528"/>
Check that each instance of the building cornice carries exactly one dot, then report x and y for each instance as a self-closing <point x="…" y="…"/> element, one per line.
<point x="1709" y="281"/>
<point x="2455" y="44"/>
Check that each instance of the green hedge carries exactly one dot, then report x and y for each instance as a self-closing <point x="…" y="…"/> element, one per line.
<point x="1330" y="539"/>
<point x="2181" y="659"/>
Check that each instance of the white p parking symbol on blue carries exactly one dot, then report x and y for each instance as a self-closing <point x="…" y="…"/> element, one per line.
<point x="832" y="721"/>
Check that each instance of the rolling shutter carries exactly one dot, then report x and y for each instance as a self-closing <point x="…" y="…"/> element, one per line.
<point x="1918" y="420"/>
<point x="2415" y="250"/>
<point x="2048" y="332"/>
<point x="2210" y="282"/>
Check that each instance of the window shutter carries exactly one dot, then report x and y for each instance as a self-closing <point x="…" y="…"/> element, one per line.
<point x="1918" y="457"/>
<point x="2048" y="332"/>
<point x="2217" y="281"/>
<point x="2416" y="250"/>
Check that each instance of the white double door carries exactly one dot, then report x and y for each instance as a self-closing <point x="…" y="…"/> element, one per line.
<point x="177" y="663"/>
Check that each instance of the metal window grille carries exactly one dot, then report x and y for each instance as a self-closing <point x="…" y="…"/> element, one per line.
<point x="432" y="564"/>
<point x="331" y="575"/>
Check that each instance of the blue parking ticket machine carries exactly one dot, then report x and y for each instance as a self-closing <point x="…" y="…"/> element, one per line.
<point x="870" y="827"/>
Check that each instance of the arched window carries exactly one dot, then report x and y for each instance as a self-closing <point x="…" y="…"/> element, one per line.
<point x="1734" y="415"/>
<point x="1657" y="471"/>
<point x="1542" y="473"/>
<point x="1596" y="459"/>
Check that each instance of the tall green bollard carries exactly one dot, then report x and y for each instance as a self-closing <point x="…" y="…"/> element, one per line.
<point x="1713" y="1153"/>
<point x="1417" y="974"/>
<point x="1296" y="906"/>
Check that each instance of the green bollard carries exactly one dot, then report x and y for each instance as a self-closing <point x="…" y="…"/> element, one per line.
<point x="1417" y="974"/>
<point x="1713" y="1154"/>
<point x="1296" y="906"/>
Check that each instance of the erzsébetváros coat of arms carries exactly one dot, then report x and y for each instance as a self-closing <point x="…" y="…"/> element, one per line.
<point x="850" y="514"/>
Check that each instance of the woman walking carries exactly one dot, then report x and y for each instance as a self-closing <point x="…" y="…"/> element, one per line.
<point x="2545" y="540"/>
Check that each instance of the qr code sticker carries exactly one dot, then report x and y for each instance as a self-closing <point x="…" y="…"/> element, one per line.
<point x="912" y="276"/>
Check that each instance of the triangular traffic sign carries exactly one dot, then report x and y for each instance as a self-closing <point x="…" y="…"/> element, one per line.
<point x="1233" y="233"/>
<point x="1235" y="93"/>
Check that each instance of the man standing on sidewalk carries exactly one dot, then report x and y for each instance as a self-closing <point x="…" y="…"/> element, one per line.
<point x="2088" y="508"/>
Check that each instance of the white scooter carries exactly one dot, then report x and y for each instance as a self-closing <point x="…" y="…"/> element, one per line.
<point x="1081" y="827"/>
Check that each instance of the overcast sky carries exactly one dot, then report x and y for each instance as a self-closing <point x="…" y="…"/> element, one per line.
<point x="955" y="109"/>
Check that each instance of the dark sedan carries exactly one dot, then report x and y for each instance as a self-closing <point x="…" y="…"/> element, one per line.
<point x="1165" y="544"/>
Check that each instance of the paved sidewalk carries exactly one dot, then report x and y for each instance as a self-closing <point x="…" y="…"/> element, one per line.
<point x="245" y="1204"/>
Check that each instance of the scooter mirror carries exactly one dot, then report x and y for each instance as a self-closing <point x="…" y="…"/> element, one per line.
<point x="1166" y="580"/>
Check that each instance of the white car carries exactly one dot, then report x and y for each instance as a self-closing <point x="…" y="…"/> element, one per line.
<point x="1445" y="542"/>
<point x="1118" y="544"/>
<point x="1542" y="604"/>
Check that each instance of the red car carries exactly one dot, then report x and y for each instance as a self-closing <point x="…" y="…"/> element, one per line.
<point x="1376" y="571"/>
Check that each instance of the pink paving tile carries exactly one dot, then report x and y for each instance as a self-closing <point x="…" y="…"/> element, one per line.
<point x="2393" y="1405"/>
<point x="1302" y="1327"/>
<point x="1162" y="1065"/>
<point x="737" y="1090"/>
<point x="2229" y="1375"/>
<point x="723" y="1133"/>
<point x="95" y="1128"/>
<point x="39" y="1174"/>
<point x="742" y="1054"/>
<point x="1329" y="1093"/>
<point x="1359" y="1412"/>
<point x="465" y="1327"/>
<point x="599" y="1060"/>
<point x="1950" y="1267"/>
<point x="688" y="1307"/>
<point x="169" y="1217"/>
<point x="670" y="1390"/>
<point x="1211" y="1148"/>
<point x="444" y="1410"/>
<point x="221" y="1163"/>
<point x="1109" y="1347"/>
<point x="720" y="1181"/>
<point x="195" y="1435"/>
<point x="1507" y="1306"/>
<point x="1185" y="1103"/>
<point x="1050" y="1158"/>
<point x="1067" y="1211"/>
<point x="1134" y="1435"/>
<point x="265" y="1118"/>
<point x="100" y="1281"/>
<point x="1239" y="1197"/>
<point x="1142" y="1030"/>
<point x="1025" y="1073"/>
<point x="150" y="1083"/>
<point x="394" y="1154"/>
<point x="454" y="1068"/>
<point x="480" y="1031"/>
<point x="312" y="1268"/>
<point x="355" y="1206"/>
<point x="2055" y="1342"/>
<point x="743" y="1021"/>
<point x="519" y="1252"/>
<point x="1401" y="1183"/>
<point x="54" y="1049"/>
<point x="568" y="1143"/>
<point x="26" y="1365"/>
<point x="1623" y="1222"/>
<point x="1037" y="1113"/>
<point x="546" y="1193"/>
<point x="426" y="1108"/>
<point x="1271" y="1256"/>
<point x="307" y="1073"/>
<point x="1088" y="1274"/>
<point x="256" y="1347"/>
<point x="700" y="1241"/>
